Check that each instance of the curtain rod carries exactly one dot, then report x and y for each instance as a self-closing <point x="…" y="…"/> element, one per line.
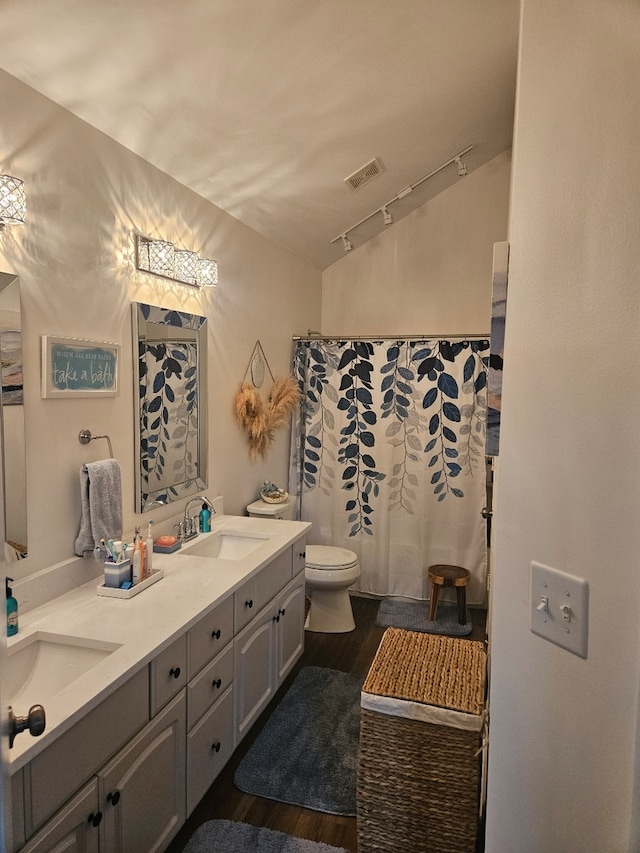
<point x="316" y="336"/>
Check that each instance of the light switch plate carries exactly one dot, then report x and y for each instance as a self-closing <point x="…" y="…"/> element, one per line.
<point x="559" y="608"/>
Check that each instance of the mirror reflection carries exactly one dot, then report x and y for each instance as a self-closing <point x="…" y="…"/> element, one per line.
<point x="170" y="349"/>
<point x="12" y="419"/>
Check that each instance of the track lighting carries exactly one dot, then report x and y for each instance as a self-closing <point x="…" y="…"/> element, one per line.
<point x="387" y="217"/>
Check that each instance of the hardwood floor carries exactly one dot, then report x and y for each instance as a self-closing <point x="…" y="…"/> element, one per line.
<point x="351" y="652"/>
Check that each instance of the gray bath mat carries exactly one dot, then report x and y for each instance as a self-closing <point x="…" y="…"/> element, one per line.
<point x="226" y="836"/>
<point x="413" y="615"/>
<point x="306" y="753"/>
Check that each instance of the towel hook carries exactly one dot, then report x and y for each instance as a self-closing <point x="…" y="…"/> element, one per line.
<point x="85" y="437"/>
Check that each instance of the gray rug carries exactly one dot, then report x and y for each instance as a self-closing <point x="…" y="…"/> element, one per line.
<point x="414" y="616"/>
<point x="306" y="753"/>
<point x="225" y="836"/>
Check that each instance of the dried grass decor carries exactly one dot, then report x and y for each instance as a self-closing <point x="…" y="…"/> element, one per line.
<point x="259" y="421"/>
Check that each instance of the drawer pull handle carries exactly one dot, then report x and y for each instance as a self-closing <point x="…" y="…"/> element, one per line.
<point x="217" y="683"/>
<point x="175" y="672"/>
<point x="277" y="618"/>
<point x="94" y="819"/>
<point x="302" y="555"/>
<point x="281" y="612"/>
<point x="215" y="747"/>
<point x="249" y="603"/>
<point x="114" y="798"/>
<point x="216" y="634"/>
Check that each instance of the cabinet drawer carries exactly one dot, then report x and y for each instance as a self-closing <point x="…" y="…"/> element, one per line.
<point x="63" y="767"/>
<point x="210" y="635"/>
<point x="209" y="685"/>
<point x="246" y="604"/>
<point x="168" y="674"/>
<point x="209" y="747"/>
<point x="273" y="577"/>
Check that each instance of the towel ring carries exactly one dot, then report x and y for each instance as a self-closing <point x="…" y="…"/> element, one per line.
<point x="85" y="437"/>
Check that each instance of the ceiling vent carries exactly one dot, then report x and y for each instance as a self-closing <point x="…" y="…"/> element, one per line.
<point x="365" y="174"/>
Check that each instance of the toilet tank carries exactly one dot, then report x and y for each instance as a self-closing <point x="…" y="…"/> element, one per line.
<point x="261" y="509"/>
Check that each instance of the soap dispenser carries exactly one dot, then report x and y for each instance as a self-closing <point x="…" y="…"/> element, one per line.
<point x="205" y="519"/>
<point x="12" y="610"/>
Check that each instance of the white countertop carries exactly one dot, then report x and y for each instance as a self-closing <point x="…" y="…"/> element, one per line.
<point x="145" y="624"/>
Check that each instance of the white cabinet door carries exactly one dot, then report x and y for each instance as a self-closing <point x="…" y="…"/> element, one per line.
<point x="74" y="829"/>
<point x="290" y="627"/>
<point x="209" y="747"/>
<point x="142" y="790"/>
<point x="254" y="659"/>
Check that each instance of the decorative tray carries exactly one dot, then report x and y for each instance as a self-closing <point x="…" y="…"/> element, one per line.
<point x="116" y="592"/>
<point x="274" y="499"/>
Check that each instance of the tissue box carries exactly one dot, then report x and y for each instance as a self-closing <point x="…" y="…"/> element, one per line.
<point x="115" y="574"/>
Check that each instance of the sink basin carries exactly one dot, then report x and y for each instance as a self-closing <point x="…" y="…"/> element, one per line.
<point x="227" y="545"/>
<point x="43" y="664"/>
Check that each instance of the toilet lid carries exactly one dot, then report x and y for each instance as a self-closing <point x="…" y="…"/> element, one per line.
<point x="329" y="557"/>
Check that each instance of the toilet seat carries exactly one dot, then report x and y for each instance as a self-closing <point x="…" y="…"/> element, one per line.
<point x="329" y="558"/>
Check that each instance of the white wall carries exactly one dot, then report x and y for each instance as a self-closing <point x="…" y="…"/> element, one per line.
<point x="86" y="197"/>
<point x="429" y="273"/>
<point x="562" y="756"/>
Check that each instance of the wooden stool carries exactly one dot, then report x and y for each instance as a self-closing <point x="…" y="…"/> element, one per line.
<point x="454" y="576"/>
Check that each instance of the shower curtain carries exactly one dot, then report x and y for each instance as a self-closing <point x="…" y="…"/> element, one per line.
<point x="387" y="456"/>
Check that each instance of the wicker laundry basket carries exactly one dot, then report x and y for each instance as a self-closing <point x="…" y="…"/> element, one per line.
<point x="421" y="727"/>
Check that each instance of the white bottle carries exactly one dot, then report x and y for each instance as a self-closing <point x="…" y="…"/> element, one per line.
<point x="136" y="562"/>
<point x="148" y="557"/>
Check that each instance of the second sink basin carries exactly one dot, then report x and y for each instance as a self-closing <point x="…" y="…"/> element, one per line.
<point x="227" y="545"/>
<point x="42" y="664"/>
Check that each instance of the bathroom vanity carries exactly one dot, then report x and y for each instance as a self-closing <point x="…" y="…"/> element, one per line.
<point x="175" y="677"/>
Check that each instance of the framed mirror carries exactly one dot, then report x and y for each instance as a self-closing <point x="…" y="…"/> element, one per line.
<point x="170" y="355"/>
<point x="14" y="479"/>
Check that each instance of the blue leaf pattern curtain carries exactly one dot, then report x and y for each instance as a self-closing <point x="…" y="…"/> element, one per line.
<point x="388" y="456"/>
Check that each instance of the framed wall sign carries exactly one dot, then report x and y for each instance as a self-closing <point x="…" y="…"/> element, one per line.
<point x="72" y="367"/>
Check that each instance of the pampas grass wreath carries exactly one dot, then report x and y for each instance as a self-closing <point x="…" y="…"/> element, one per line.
<point x="259" y="421"/>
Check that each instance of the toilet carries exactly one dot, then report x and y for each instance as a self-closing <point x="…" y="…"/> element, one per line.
<point x="329" y="572"/>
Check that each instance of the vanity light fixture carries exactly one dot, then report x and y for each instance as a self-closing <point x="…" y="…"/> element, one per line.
<point x="161" y="257"/>
<point x="13" y="202"/>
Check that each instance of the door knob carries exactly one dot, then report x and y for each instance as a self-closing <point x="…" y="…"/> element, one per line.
<point x="35" y="721"/>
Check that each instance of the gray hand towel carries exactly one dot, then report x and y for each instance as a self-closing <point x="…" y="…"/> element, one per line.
<point x="101" y="497"/>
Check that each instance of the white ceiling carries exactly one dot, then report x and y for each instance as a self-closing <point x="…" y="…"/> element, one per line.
<point x="265" y="106"/>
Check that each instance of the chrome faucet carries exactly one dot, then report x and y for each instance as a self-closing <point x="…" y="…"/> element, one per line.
<point x="188" y="527"/>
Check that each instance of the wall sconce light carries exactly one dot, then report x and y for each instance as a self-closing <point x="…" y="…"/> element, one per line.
<point x="162" y="258"/>
<point x="13" y="202"/>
